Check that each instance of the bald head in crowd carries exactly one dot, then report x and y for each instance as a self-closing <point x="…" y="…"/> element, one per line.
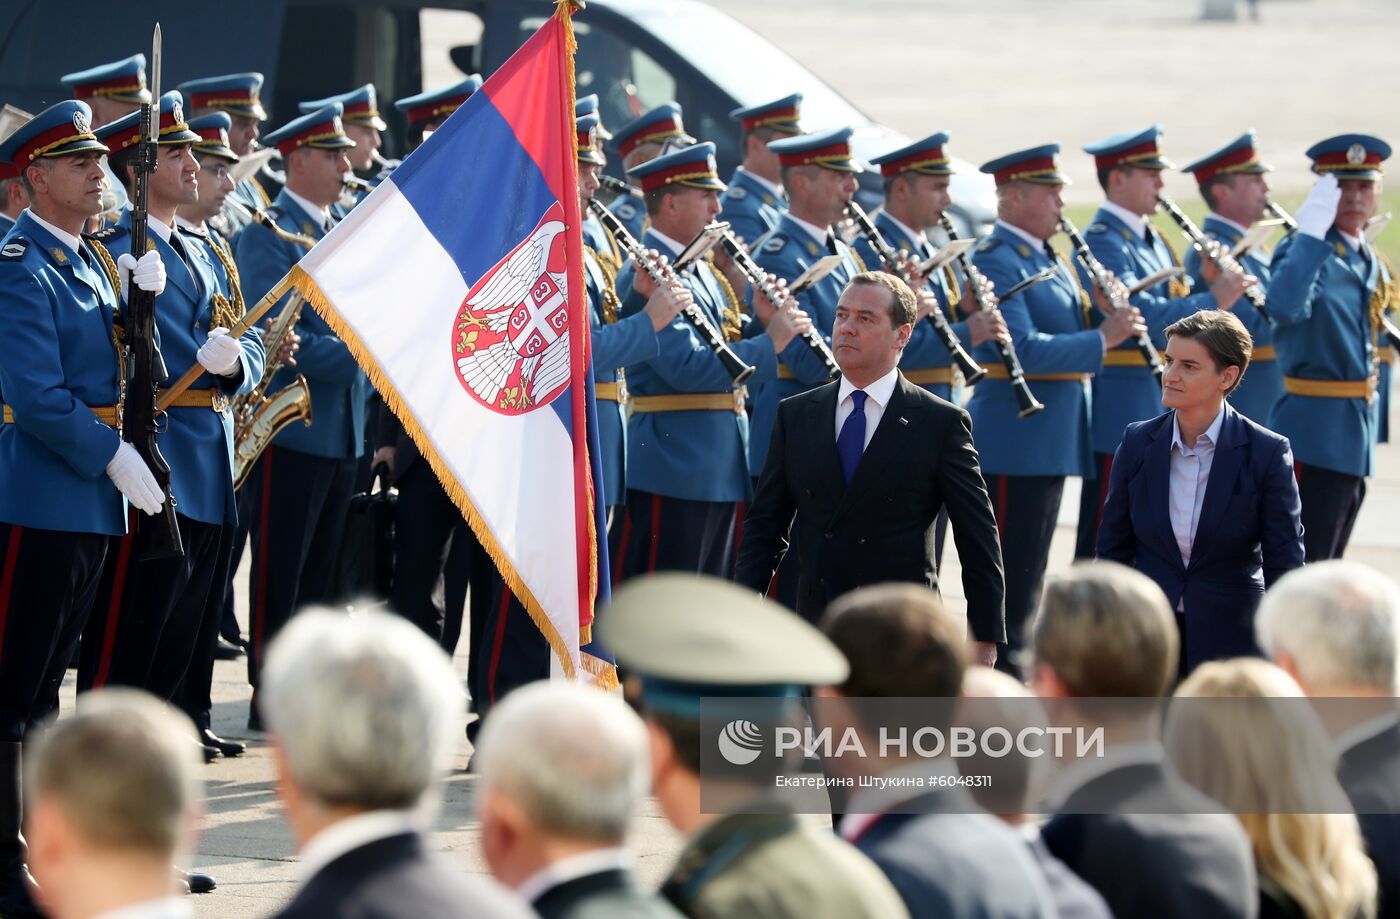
<point x="114" y="796"/>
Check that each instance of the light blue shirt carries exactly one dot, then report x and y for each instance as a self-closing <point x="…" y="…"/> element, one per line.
<point x="1190" y="472"/>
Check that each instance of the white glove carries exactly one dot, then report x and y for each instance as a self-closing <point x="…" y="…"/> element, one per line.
<point x="148" y="271"/>
<point x="1317" y="213"/>
<point x="220" y="354"/>
<point x="128" y="471"/>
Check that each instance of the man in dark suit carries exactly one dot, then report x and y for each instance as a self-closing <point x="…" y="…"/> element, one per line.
<point x="563" y="771"/>
<point x="865" y="464"/>
<point x="1201" y="499"/>
<point x="945" y="856"/>
<point x="363" y="712"/>
<point x="1335" y="627"/>
<point x="1106" y="631"/>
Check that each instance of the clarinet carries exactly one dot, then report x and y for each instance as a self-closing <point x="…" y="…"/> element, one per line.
<point x="1280" y="214"/>
<point x="889" y="258"/>
<point x="1101" y="279"/>
<point x="1024" y="397"/>
<point x="737" y="369"/>
<point x="759" y="279"/>
<point x="614" y="184"/>
<point x="1218" y="254"/>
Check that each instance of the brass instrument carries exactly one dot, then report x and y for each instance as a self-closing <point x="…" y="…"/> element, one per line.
<point x="1216" y="251"/>
<point x="1104" y="282"/>
<point x="258" y="417"/>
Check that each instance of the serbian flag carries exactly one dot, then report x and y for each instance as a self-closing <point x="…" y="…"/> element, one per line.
<point x="458" y="285"/>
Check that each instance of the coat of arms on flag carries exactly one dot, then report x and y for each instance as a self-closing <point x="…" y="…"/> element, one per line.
<point x="510" y="342"/>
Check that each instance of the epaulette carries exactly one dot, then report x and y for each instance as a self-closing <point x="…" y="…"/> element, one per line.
<point x="108" y="234"/>
<point x="14" y="249"/>
<point x="736" y="193"/>
<point x="1100" y="228"/>
<point x="196" y="232"/>
<point x="274" y="211"/>
<point x="988" y="244"/>
<point x="774" y="242"/>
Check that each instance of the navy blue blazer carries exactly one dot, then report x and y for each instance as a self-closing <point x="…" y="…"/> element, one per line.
<point x="1248" y="536"/>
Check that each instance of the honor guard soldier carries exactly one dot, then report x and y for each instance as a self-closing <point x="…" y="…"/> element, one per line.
<point x="916" y="180"/>
<point x="68" y="473"/>
<point x="237" y="95"/>
<point x="768" y="863"/>
<point x="363" y="124"/>
<point x="426" y="112"/>
<point x="1326" y="295"/>
<point x="1122" y="238"/>
<point x="13" y="197"/>
<point x="215" y="155"/>
<point x="687" y="439"/>
<point x="639" y="141"/>
<point x="112" y="91"/>
<point x="594" y="236"/>
<point x="1025" y="460"/>
<point x="514" y="651"/>
<point x="1233" y="186"/>
<point x="303" y="481"/>
<point x="754" y="200"/>
<point x="144" y="631"/>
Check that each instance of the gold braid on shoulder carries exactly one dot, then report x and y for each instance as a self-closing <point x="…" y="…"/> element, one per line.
<point x="954" y="291"/>
<point x="610" y="300"/>
<point x="734" y="313"/>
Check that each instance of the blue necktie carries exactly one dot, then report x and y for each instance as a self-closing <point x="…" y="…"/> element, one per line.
<point x="851" y="442"/>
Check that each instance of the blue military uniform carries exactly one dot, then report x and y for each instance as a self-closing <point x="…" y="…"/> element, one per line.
<point x="1025" y="460"/>
<point x="661" y="124"/>
<point x="752" y="204"/>
<point x="926" y="359"/>
<point x="1325" y="296"/>
<point x="302" y="483"/>
<point x="144" y="631"/>
<point x="1126" y="390"/>
<point x="688" y="436"/>
<point x="237" y="95"/>
<point x="59" y="382"/>
<point x="1262" y="385"/>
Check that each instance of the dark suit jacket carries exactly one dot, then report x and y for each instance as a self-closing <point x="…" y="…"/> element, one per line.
<point x="1370" y="774"/>
<point x="391" y="434"/>
<point x="394" y="877"/>
<point x="605" y="895"/>
<point x="1072" y="896"/>
<point x="948" y="862"/>
<point x="1248" y="536"/>
<point x="1152" y="846"/>
<point x="880" y="528"/>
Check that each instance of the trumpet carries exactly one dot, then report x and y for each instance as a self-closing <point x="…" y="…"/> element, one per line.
<point x="1026" y="399"/>
<point x="1103" y="281"/>
<point x="889" y="258"/>
<point x="733" y="364"/>
<point x="1216" y="251"/>
<point x="759" y="279"/>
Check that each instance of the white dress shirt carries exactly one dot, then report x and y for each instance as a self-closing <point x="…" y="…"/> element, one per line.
<point x="1136" y="222"/>
<point x="572" y="868"/>
<point x="353" y="832"/>
<point x="1035" y="242"/>
<point x="1190" y="473"/>
<point x="1228" y="222"/>
<point x="877" y="398"/>
<point x="321" y="215"/>
<point x="820" y="234"/>
<point x="676" y="247"/>
<point x="68" y="239"/>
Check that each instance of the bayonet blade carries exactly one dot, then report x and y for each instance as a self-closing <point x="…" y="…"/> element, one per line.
<point x="155" y="85"/>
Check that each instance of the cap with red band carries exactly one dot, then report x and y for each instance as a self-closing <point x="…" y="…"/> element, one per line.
<point x="321" y="129"/>
<point x="829" y="149"/>
<point x="691" y="167"/>
<point x="780" y="115"/>
<point x="120" y="81"/>
<point x="925" y="157"/>
<point x="1350" y="156"/>
<point x="126" y="131"/>
<point x="64" y="129"/>
<point x="1235" y="158"/>
<point x="1131" y="148"/>
<point x="1040" y="165"/>
<point x="655" y="126"/>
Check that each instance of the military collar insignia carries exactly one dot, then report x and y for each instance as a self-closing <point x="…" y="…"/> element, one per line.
<point x="307" y="228"/>
<point x="1024" y="249"/>
<point x="1127" y="234"/>
<point x="770" y="200"/>
<point x="813" y="248"/>
<point x="1341" y="250"/>
<point x="59" y="255"/>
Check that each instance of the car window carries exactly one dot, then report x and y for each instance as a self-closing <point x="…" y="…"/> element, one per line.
<point x="447" y="38"/>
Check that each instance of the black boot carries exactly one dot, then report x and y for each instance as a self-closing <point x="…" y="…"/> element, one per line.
<point x="16" y="886"/>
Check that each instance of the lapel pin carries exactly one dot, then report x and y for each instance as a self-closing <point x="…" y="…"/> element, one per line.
<point x="903" y="420"/>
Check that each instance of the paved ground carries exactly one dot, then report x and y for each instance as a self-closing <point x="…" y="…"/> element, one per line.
<point x="999" y="76"/>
